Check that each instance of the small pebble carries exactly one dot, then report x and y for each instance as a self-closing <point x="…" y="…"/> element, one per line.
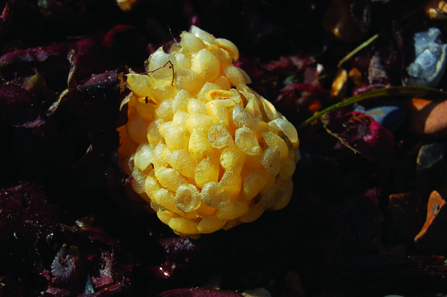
<point x="339" y="21"/>
<point x="428" y="66"/>
<point x="340" y="84"/>
<point x="436" y="10"/>
<point x="376" y="71"/>
<point x="127" y="5"/>
<point x="391" y="115"/>
<point x="430" y="161"/>
<point x="356" y="76"/>
<point x="427" y="117"/>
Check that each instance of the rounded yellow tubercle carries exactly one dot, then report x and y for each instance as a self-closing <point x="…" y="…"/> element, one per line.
<point x="204" y="150"/>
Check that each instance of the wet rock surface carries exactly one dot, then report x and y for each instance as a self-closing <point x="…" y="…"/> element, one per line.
<point x="391" y="115"/>
<point x="427" y="117"/>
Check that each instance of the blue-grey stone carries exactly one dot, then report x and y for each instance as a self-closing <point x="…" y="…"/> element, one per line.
<point x="430" y="162"/>
<point x="429" y="59"/>
<point x="390" y="115"/>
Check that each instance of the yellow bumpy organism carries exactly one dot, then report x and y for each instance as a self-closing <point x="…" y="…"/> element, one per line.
<point x="204" y="150"/>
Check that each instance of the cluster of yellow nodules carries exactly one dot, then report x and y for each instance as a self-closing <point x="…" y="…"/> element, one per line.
<point x="205" y="150"/>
